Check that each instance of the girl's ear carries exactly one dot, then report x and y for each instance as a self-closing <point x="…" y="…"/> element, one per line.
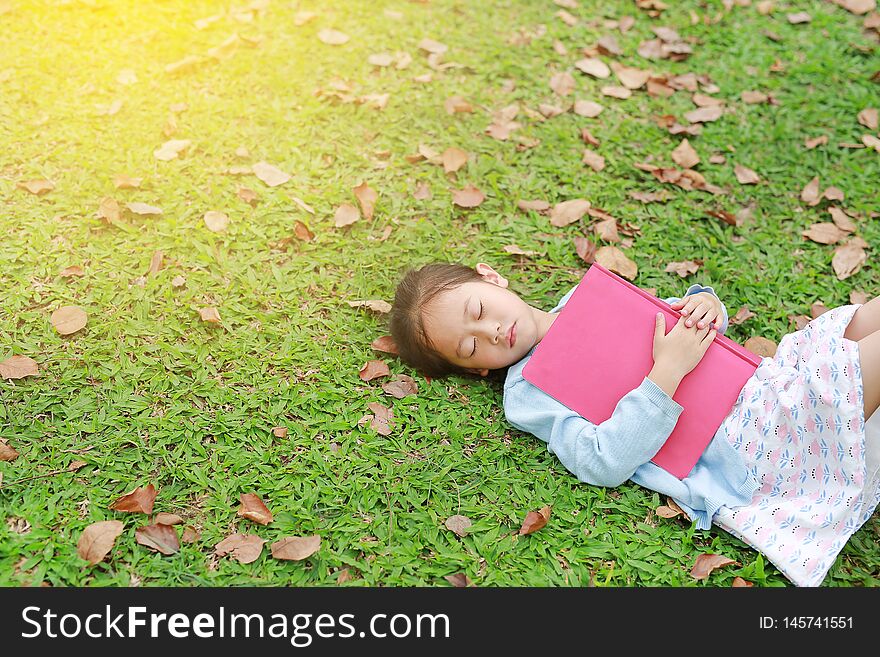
<point x="490" y="275"/>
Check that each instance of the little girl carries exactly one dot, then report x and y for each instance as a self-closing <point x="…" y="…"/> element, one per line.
<point x="788" y="471"/>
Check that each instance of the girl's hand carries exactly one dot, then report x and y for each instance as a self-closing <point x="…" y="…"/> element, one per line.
<point x="702" y="308"/>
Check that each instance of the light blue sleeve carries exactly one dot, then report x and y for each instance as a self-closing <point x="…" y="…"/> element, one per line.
<point x="606" y="454"/>
<point x="696" y="287"/>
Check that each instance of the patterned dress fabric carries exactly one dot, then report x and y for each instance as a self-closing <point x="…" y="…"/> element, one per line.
<point x="799" y="424"/>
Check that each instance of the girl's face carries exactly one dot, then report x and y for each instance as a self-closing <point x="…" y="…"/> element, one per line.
<point x="471" y="324"/>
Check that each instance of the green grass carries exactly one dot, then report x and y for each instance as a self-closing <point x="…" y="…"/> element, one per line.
<point x="147" y="393"/>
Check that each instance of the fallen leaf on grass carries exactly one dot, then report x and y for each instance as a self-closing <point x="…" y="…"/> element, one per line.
<point x="683" y="269"/>
<point x="537" y="206"/>
<point x="244" y="548"/>
<point x="373" y="369"/>
<point x="376" y="305"/>
<point x="73" y="270"/>
<point x="593" y="66"/>
<point x="171" y="149"/>
<point x="810" y="193"/>
<point x="848" y="259"/>
<point x="562" y="84"/>
<point x="704" y="114"/>
<point x="745" y="176"/>
<point x="401" y="386"/>
<point x="137" y="207"/>
<point x="621" y="93"/>
<point x="302" y="231"/>
<point x="592" y="159"/>
<point x="841" y="219"/>
<point x="469" y="197"/>
<point x="216" y="221"/>
<point x="97" y="540"/>
<point x="869" y="118"/>
<point x="631" y="78"/>
<point x="37" y="187"/>
<point x="459" y="580"/>
<point x="161" y="538"/>
<point x="534" y="521"/>
<point x="650" y="197"/>
<point x="140" y="500"/>
<point x="567" y="212"/>
<point x="346" y="214"/>
<point x="190" y="535"/>
<point x="333" y="37"/>
<point x="670" y="509"/>
<point x="7" y="453"/>
<point x="367" y="198"/>
<point x="454" y="159"/>
<point x="270" y="174"/>
<point x="824" y="233"/>
<point x="458" y="524"/>
<point x="163" y="518"/>
<point x="614" y="259"/>
<point x="685" y="156"/>
<point x="210" y="315"/>
<point x="740" y="582"/>
<point x="296" y="548"/>
<point x="253" y="508"/>
<point x="706" y="563"/>
<point x="817" y="141"/>
<point x="121" y="181"/>
<point x="382" y="418"/>
<point x="385" y="344"/>
<point x="248" y="195"/>
<point x="760" y="346"/>
<point x="68" y="319"/>
<point x="18" y="367"/>
<point x="587" y="108"/>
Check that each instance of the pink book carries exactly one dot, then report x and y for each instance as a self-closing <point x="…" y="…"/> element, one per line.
<point x="601" y="347"/>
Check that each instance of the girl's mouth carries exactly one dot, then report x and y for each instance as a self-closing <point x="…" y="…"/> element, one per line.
<point x="511" y="338"/>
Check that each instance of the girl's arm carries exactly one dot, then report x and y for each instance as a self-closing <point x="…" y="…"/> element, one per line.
<point x="605" y="454"/>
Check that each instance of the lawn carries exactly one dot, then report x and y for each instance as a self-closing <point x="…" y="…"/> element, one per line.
<point x="193" y="178"/>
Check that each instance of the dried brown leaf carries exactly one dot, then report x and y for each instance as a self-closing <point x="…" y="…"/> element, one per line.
<point x="98" y="539"/>
<point x="458" y="524"/>
<point x="18" y="367"/>
<point x="367" y="197"/>
<point x="824" y="233"/>
<point x="706" y="563"/>
<point x="253" y="508"/>
<point x="68" y="319"/>
<point x="534" y="521"/>
<point x="760" y="346"/>
<point x="245" y="548"/>
<point x="567" y="212"/>
<point x="270" y="174"/>
<point x="161" y="538"/>
<point x="469" y="197"/>
<point x="401" y="386"/>
<point x="373" y="369"/>
<point x="140" y="500"/>
<point x="385" y="344"/>
<point x="296" y="548"/>
<point x="210" y="314"/>
<point x="614" y="259"/>
<point x="685" y="156"/>
<point x="745" y="176"/>
<point x="216" y="221"/>
<point x="346" y="214"/>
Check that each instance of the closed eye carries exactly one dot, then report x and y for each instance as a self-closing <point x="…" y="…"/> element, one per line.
<point x="475" y="340"/>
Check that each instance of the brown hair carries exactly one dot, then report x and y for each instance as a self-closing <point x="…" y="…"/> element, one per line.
<point x="416" y="290"/>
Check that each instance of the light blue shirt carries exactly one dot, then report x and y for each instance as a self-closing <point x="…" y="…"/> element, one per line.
<point x="621" y="447"/>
